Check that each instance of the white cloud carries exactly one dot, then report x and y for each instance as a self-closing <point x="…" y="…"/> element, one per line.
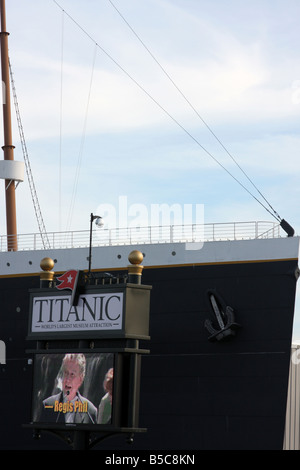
<point x="244" y="88"/>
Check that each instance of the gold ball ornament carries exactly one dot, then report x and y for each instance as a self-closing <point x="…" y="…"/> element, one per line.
<point x="47" y="264"/>
<point x="135" y="257"/>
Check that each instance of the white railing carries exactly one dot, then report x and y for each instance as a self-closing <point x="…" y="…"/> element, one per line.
<point x="148" y="235"/>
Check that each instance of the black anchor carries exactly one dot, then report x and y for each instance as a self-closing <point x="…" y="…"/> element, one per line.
<point x="224" y="328"/>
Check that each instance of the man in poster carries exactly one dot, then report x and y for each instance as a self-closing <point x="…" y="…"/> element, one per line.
<point x="104" y="410"/>
<point x="69" y="406"/>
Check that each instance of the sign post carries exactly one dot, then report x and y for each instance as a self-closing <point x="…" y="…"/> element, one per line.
<point x="87" y="360"/>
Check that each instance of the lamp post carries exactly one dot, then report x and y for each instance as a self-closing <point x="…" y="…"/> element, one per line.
<point x="99" y="223"/>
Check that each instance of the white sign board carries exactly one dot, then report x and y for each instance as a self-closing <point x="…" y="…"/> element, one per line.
<point x="94" y="312"/>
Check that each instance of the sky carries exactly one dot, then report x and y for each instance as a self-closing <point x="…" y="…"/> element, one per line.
<point x="104" y="89"/>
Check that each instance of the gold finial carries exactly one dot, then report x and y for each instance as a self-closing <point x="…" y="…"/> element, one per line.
<point x="135" y="269"/>
<point x="47" y="265"/>
<point x="135" y="257"/>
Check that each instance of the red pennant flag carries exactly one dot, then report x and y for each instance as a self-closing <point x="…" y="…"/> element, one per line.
<point x="68" y="280"/>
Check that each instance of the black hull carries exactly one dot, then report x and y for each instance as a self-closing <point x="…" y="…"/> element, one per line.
<point x="195" y="393"/>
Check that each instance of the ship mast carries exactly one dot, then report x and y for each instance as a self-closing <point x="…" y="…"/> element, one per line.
<point x="9" y="169"/>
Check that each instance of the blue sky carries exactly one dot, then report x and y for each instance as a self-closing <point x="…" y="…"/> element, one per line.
<point x="93" y="135"/>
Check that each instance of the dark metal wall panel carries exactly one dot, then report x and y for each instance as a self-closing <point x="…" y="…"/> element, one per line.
<point x="195" y="394"/>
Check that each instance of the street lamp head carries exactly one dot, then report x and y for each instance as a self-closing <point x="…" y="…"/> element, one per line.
<point x="99" y="222"/>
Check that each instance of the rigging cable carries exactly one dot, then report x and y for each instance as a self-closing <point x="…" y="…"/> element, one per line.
<point x="192" y="107"/>
<point x="61" y="113"/>
<point x="80" y="154"/>
<point x="274" y="214"/>
<point x="36" y="205"/>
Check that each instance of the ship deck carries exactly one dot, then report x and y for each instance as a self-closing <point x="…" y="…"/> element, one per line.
<point x="173" y="246"/>
<point x="146" y="235"/>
